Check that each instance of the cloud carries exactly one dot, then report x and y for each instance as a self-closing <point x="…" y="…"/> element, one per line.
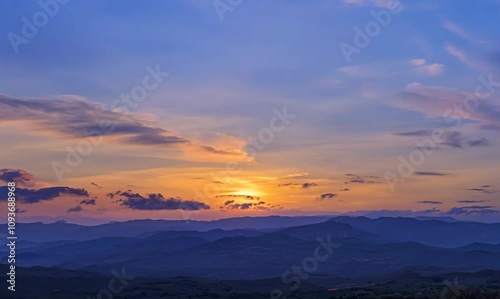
<point x="345" y="190"/>
<point x="73" y="116"/>
<point x="31" y="196"/>
<point x="477" y="63"/>
<point x="479" y="142"/>
<point x="243" y="206"/>
<point x="417" y="62"/>
<point x="156" y="201"/>
<point x="430" y="173"/>
<point x="430" y="70"/>
<point x="88" y="202"/>
<point x="18" y="176"/>
<point x="76" y="117"/>
<point x="479" y="190"/>
<point x="75" y="209"/>
<point x="471" y="201"/>
<point x="95" y="185"/>
<point x="377" y="3"/>
<point x="428" y="211"/>
<point x="357" y="179"/>
<point x="261" y="205"/>
<point x="357" y="71"/>
<point x="420" y="67"/>
<point x="442" y="102"/>
<point x="308" y="185"/>
<point x="419" y="133"/>
<point x="453" y="27"/>
<point x="472" y="210"/>
<point x="327" y="195"/>
<point x="461" y="32"/>
<point x="298" y="175"/>
<point x="449" y="138"/>
<point x="457" y="53"/>
<point x="484" y="189"/>
<point x="213" y="150"/>
<point x="300" y="185"/>
<point x="250" y="197"/>
<point x="431" y="202"/>
<point x="453" y="139"/>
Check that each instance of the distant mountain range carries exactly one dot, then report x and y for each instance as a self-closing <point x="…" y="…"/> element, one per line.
<point x="261" y="248"/>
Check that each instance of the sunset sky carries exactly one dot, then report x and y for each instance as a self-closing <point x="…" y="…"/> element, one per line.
<point x="201" y="110"/>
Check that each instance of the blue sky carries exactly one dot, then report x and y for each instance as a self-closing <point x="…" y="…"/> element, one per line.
<point x="226" y="77"/>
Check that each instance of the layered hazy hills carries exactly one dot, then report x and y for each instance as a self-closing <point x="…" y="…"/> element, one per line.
<point x="260" y="248"/>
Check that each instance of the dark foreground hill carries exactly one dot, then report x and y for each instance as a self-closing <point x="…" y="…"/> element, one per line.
<point x="45" y="283"/>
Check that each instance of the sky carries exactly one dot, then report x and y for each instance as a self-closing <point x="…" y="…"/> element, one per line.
<point x="208" y="109"/>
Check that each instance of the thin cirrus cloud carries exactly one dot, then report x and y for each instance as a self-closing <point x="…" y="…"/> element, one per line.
<point x="77" y="117"/>
<point x="453" y="139"/>
<point x="462" y="32"/>
<point x="418" y="133"/>
<point x="377" y="3"/>
<point x="437" y="101"/>
<point x="430" y="173"/>
<point x="483" y="189"/>
<point x="455" y="28"/>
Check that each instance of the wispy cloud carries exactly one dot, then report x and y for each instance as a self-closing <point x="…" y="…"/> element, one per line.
<point x="78" y="118"/>
<point x="431" y="202"/>
<point x="430" y="173"/>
